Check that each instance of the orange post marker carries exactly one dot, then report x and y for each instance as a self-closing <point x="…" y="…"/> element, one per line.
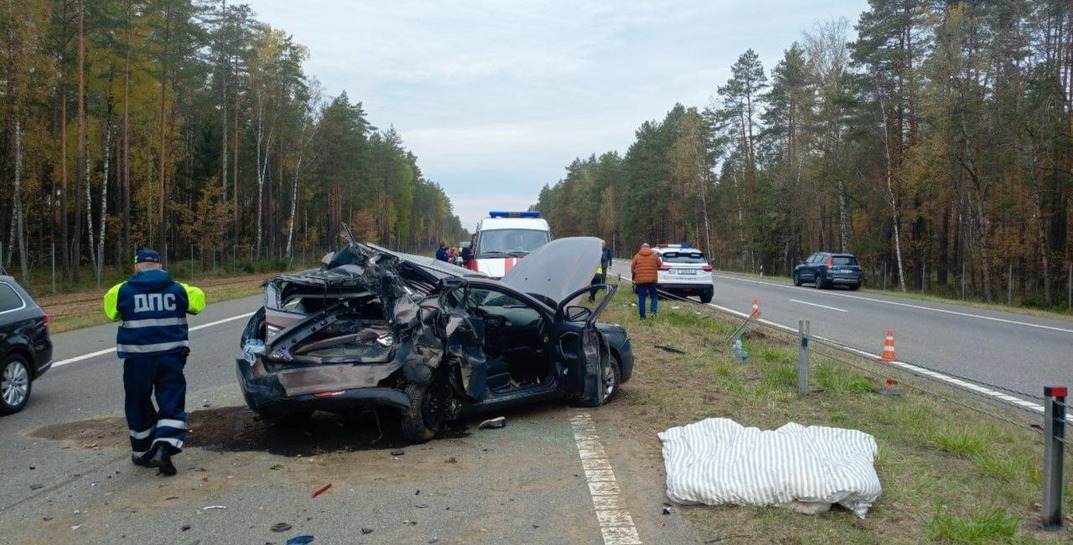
<point x="756" y="308"/>
<point x="888" y="354"/>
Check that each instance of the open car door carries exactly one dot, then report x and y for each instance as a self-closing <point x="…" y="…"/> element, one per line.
<point x="584" y="357"/>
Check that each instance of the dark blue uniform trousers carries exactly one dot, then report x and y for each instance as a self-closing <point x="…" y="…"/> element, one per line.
<point x="163" y="426"/>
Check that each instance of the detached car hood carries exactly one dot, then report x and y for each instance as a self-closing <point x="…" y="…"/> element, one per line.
<point x="557" y="269"/>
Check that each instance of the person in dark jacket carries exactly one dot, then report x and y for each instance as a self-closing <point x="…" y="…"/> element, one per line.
<point x="601" y="272"/>
<point x="153" y="343"/>
<point x="467" y="255"/>
<point x="441" y="252"/>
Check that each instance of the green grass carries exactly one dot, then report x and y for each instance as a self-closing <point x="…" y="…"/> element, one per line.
<point x="993" y="526"/>
<point x="984" y="473"/>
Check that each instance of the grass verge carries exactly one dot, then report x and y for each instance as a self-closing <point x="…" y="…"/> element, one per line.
<point x="950" y="475"/>
<point x="70" y="311"/>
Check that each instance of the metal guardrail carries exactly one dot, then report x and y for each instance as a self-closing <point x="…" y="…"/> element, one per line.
<point x="1054" y="414"/>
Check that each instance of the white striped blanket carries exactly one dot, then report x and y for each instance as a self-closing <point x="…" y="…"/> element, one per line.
<point x="717" y="461"/>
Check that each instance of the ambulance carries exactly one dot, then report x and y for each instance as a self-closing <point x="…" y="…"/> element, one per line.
<point x="505" y="237"/>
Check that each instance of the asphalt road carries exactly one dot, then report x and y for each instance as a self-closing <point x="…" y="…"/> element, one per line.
<point x="68" y="479"/>
<point x="1010" y="350"/>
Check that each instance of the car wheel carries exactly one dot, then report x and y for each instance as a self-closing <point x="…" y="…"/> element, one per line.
<point x="854" y="287"/>
<point x="427" y="414"/>
<point x="611" y="380"/>
<point x="15" y="384"/>
<point x="797" y="280"/>
<point x="706" y="297"/>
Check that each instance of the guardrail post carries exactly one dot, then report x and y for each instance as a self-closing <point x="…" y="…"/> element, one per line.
<point x="1054" y="431"/>
<point x="803" y="328"/>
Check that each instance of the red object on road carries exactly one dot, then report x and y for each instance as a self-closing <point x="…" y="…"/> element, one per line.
<point x="756" y="308"/>
<point x="322" y="490"/>
<point x="888" y="348"/>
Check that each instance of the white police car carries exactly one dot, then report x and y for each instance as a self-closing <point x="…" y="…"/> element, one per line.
<point x="685" y="272"/>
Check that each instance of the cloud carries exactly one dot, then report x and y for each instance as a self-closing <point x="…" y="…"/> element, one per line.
<point x="496" y="98"/>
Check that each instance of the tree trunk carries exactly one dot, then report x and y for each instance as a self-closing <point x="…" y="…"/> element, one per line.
<point x="891" y="199"/>
<point x="17" y="204"/>
<point x="125" y="243"/>
<point x="294" y="208"/>
<point x="223" y="102"/>
<point x="843" y="217"/>
<point x="104" y="197"/>
<point x="80" y="153"/>
<point x="163" y="180"/>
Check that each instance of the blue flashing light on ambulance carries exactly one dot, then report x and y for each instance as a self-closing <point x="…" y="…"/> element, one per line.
<point x="504" y="237"/>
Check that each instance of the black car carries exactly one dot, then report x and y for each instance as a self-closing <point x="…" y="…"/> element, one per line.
<point x="376" y="328"/>
<point x="827" y="269"/>
<point x="25" y="348"/>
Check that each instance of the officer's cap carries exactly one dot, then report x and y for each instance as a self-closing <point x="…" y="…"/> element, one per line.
<point x="147" y="255"/>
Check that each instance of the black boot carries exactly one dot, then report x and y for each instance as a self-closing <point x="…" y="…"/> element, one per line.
<point x="139" y="460"/>
<point x="162" y="461"/>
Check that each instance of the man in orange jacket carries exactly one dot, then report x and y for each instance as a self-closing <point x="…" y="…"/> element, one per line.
<point x="645" y="271"/>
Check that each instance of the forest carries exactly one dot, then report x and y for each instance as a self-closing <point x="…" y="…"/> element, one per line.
<point x="936" y="144"/>
<point x="191" y="127"/>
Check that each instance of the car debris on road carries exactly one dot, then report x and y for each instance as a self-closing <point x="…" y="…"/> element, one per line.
<point x="493" y="423"/>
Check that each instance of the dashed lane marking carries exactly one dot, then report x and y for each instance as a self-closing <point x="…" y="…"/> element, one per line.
<point x="616" y="524"/>
<point x="817" y="305"/>
<point x="907" y="305"/>
<point x="91" y="355"/>
<point x="1025" y="404"/>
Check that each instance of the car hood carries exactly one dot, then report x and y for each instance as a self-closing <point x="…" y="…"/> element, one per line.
<point x="557" y="269"/>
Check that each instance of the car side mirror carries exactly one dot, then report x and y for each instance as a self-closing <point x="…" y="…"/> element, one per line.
<point x="577" y="313"/>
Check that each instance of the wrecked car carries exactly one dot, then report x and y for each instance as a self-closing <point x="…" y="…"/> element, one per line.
<point x="373" y="328"/>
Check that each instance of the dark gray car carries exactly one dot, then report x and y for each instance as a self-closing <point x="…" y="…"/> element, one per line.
<point x="25" y="348"/>
<point x="827" y="270"/>
<point x="431" y="340"/>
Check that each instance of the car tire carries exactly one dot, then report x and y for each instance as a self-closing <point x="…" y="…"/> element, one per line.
<point x="427" y="415"/>
<point x="855" y="287"/>
<point x="611" y="383"/>
<point x="797" y="280"/>
<point x="16" y="383"/>
<point x="706" y="297"/>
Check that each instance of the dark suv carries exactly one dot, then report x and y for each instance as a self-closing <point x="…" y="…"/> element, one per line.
<point x="826" y="270"/>
<point x="25" y="349"/>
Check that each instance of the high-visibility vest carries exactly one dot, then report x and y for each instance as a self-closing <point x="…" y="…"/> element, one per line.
<point x="153" y="308"/>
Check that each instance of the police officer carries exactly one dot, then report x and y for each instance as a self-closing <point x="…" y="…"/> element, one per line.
<point x="152" y="340"/>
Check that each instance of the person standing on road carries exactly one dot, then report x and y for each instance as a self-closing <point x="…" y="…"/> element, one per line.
<point x="153" y="343"/>
<point x="441" y="252"/>
<point x="645" y="272"/>
<point x="467" y="255"/>
<point x="601" y="272"/>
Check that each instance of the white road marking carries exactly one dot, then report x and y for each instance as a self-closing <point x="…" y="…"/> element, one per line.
<point x="616" y="524"/>
<point x="909" y="305"/>
<point x="818" y="305"/>
<point x="907" y="366"/>
<point x="91" y="355"/>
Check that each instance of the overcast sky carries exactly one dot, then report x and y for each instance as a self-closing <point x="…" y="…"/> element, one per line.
<point x="495" y="98"/>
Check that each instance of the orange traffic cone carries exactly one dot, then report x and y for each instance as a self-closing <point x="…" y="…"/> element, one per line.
<point x="888" y="347"/>
<point x="756" y="308"/>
